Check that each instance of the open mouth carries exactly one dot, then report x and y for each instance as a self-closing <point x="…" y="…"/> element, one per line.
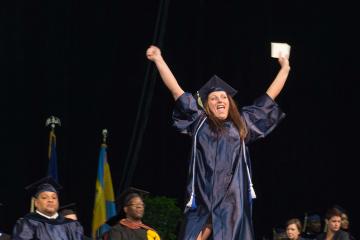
<point x="220" y="106"/>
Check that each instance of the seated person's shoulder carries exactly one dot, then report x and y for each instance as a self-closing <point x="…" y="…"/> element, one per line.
<point x="342" y="235"/>
<point x="4" y="236"/>
<point x="320" y="236"/>
<point x="118" y="228"/>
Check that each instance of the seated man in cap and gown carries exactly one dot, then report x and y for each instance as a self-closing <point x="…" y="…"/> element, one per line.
<point x="45" y="223"/>
<point x="312" y="226"/>
<point x="69" y="211"/>
<point x="131" y="226"/>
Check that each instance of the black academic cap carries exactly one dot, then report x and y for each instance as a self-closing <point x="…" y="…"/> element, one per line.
<point x="215" y="84"/>
<point x="129" y="194"/>
<point x="67" y="209"/>
<point x="46" y="184"/>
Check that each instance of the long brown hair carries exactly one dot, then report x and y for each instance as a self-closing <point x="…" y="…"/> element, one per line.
<point x="234" y="115"/>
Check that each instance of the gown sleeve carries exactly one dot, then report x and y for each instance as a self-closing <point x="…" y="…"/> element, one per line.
<point x="261" y="117"/>
<point x="22" y="230"/>
<point x="76" y="230"/>
<point x="185" y="113"/>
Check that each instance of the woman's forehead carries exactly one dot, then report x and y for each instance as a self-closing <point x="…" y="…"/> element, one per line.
<point x="217" y="93"/>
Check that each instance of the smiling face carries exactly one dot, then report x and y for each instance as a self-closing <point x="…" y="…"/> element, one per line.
<point x="292" y="231"/>
<point x="47" y="203"/>
<point x="218" y="103"/>
<point x="134" y="210"/>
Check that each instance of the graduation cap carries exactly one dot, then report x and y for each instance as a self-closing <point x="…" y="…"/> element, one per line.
<point x="126" y="196"/>
<point x="214" y="84"/>
<point x="46" y="184"/>
<point x="67" y="209"/>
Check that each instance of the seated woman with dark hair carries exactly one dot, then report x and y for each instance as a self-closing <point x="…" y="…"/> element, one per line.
<point x="333" y="232"/>
<point x="345" y="223"/>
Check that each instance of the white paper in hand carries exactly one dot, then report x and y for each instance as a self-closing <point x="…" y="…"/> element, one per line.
<point x="280" y="50"/>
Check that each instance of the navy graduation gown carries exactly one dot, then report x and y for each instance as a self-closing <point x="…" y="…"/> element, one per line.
<point x="221" y="184"/>
<point x="36" y="227"/>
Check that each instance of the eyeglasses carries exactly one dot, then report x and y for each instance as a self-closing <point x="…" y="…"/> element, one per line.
<point x="137" y="205"/>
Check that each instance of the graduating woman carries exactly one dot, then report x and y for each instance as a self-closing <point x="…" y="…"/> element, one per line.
<point x="219" y="184"/>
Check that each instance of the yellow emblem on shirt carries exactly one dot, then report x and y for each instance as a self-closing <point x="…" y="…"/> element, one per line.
<point x="152" y="235"/>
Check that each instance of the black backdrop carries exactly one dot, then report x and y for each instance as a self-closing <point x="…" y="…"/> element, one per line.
<point x="84" y="62"/>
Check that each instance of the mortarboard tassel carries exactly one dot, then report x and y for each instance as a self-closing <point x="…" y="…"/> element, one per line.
<point x="199" y="100"/>
<point x="192" y="204"/>
<point x="252" y="191"/>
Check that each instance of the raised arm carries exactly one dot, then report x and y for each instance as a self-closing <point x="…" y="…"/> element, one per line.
<point x="153" y="53"/>
<point x="280" y="79"/>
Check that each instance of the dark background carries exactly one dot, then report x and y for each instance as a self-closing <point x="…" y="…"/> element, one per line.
<point x="84" y="62"/>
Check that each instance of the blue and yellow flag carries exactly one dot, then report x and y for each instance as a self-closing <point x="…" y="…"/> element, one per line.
<point x="52" y="168"/>
<point x="104" y="205"/>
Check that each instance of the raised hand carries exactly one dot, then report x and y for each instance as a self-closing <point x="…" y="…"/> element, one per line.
<point x="153" y="53"/>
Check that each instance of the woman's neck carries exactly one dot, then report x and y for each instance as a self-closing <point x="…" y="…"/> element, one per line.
<point x="330" y="235"/>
